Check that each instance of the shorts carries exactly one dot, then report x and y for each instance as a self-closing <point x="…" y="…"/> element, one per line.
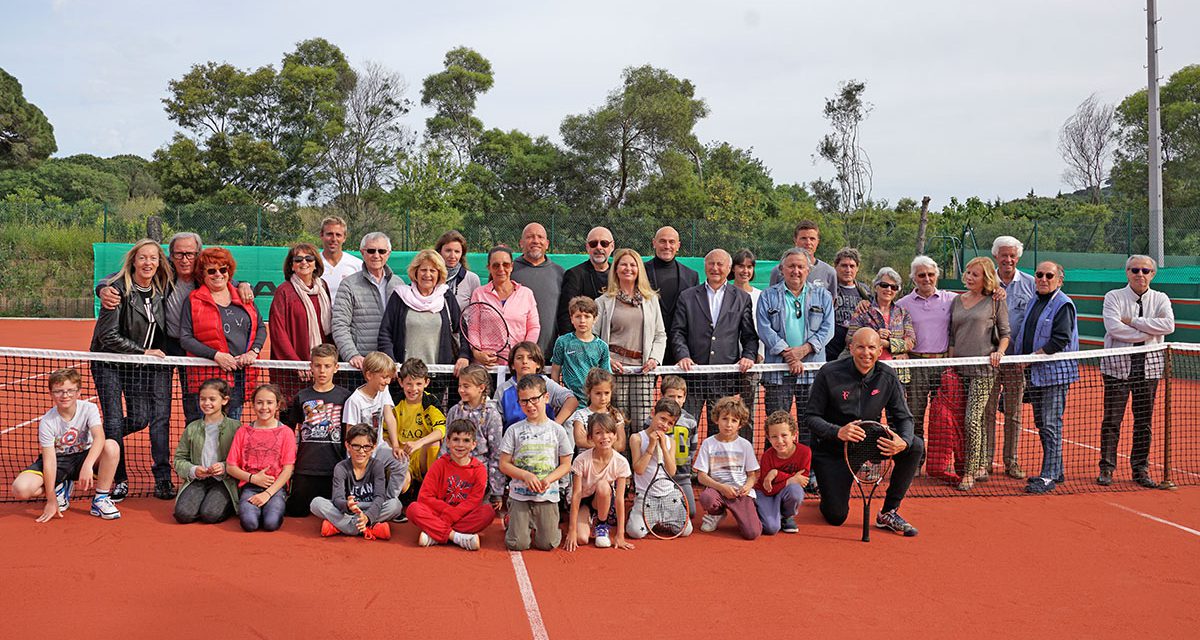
<point x="610" y="518"/>
<point x="68" y="466"/>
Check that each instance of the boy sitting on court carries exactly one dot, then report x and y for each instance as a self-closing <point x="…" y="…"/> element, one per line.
<point x="360" y="505"/>
<point x="71" y="437"/>
<point x="451" y="506"/>
<point x="420" y="425"/>
<point x="575" y="354"/>
<point x="728" y="470"/>
<point x="316" y="416"/>
<point x="783" y="474"/>
<point x="645" y="448"/>
<point x="536" y="454"/>
<point x="684" y="435"/>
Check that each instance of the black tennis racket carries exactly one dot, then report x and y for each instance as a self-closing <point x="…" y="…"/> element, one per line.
<point x="484" y="328"/>
<point x="664" y="507"/>
<point x="869" y="466"/>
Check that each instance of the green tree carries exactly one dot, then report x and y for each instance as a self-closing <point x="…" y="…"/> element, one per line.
<point x="622" y="142"/>
<point x="26" y="136"/>
<point x="452" y="93"/>
<point x="254" y="134"/>
<point x="1180" y="107"/>
<point x="842" y="148"/>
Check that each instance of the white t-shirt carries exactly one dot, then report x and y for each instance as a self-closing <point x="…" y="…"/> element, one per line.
<point x="363" y="409"/>
<point x="536" y="448"/>
<point x="727" y="462"/>
<point x="69" y="436"/>
<point x="333" y="275"/>
<point x="590" y="478"/>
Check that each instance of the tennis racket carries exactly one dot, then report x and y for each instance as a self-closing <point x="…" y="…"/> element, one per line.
<point x="869" y="466"/>
<point x="664" y="508"/>
<point x="484" y="328"/>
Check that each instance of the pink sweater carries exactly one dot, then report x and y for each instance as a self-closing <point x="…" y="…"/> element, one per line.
<point x="519" y="310"/>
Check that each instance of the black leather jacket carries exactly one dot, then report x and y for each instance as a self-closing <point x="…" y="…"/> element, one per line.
<point x="127" y="328"/>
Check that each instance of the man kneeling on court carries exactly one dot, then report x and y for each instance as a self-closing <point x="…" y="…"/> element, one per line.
<point x="843" y="393"/>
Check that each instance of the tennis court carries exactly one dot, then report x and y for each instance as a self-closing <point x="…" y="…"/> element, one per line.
<point x="1086" y="564"/>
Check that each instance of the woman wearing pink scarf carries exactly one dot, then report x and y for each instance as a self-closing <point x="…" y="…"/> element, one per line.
<point x="300" y="315"/>
<point x="421" y="320"/>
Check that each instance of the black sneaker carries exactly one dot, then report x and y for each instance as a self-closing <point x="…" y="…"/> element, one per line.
<point x="789" y="525"/>
<point x="1144" y="480"/>
<point x="119" y="491"/>
<point x="1105" y="478"/>
<point x="164" y="490"/>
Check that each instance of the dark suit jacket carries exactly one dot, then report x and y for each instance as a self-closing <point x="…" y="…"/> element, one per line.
<point x="667" y="299"/>
<point x="580" y="280"/>
<point x="694" y="336"/>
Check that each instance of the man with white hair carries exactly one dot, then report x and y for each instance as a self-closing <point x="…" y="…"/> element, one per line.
<point x="361" y="301"/>
<point x="1020" y="290"/>
<point x="929" y="308"/>
<point x="1134" y="315"/>
<point x="543" y="276"/>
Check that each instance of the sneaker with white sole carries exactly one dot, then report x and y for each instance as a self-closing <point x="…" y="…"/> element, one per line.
<point x="62" y="493"/>
<point x="602" y="539"/>
<point x="468" y="541"/>
<point x="709" y="522"/>
<point x="119" y="491"/>
<point x="892" y="521"/>
<point x="789" y="525"/>
<point x="424" y="540"/>
<point x="104" y="508"/>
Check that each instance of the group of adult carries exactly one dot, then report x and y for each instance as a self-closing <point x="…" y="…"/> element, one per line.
<point x="650" y="313"/>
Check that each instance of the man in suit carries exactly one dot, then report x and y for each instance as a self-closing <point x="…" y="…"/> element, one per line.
<point x="588" y="278"/>
<point x="669" y="278"/>
<point x="714" y="324"/>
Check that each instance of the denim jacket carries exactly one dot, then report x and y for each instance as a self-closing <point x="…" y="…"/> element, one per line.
<point x="772" y="305"/>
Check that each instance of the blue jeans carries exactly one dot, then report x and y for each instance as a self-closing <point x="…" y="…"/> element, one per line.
<point x="146" y="391"/>
<point x="268" y="517"/>
<point x="1048" y="405"/>
<point x="771" y="509"/>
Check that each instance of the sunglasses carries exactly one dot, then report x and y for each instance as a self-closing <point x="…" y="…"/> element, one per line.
<point x="299" y="259"/>
<point x="1142" y="270"/>
<point x="1044" y="275"/>
<point x="886" y="285"/>
<point x="212" y="271"/>
<point x="376" y="251"/>
<point x="592" y="244"/>
<point x="362" y="448"/>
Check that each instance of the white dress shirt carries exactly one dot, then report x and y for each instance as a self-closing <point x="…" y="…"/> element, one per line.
<point x="1156" y="320"/>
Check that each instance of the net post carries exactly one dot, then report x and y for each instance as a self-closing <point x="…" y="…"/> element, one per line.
<point x="1168" y="373"/>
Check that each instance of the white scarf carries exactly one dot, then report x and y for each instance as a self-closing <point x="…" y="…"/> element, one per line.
<point x="318" y="289"/>
<point x="432" y="303"/>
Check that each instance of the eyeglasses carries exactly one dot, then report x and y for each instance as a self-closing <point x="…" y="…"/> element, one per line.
<point x="1141" y="270"/>
<point x="64" y="393"/>
<point x="299" y="259"/>
<point x="362" y="448"/>
<point x="592" y="244"/>
<point x="529" y="402"/>
<point x="376" y="251"/>
<point x="212" y="271"/>
<point x="185" y="255"/>
<point x="888" y="285"/>
<point x="1044" y="275"/>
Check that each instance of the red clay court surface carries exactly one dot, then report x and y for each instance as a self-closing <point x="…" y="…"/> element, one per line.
<point x="1067" y="566"/>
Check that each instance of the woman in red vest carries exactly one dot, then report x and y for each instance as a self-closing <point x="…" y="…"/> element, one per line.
<point x="301" y="316"/>
<point x="217" y="325"/>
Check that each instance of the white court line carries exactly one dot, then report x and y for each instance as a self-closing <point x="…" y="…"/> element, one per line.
<point x="29" y="422"/>
<point x="40" y="375"/>
<point x="1121" y="455"/>
<point x="1156" y="519"/>
<point x="531" y="606"/>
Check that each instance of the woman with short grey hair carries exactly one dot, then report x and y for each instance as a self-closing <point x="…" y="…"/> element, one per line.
<point x="895" y="326"/>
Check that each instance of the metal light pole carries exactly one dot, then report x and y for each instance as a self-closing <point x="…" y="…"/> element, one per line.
<point x="1154" y="157"/>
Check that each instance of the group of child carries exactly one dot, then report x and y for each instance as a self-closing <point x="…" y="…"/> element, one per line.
<point x="359" y="461"/>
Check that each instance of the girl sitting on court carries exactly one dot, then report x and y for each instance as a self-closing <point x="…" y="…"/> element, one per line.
<point x="484" y="414"/>
<point x="262" y="457"/>
<point x="598" y="477"/>
<point x="209" y="494"/>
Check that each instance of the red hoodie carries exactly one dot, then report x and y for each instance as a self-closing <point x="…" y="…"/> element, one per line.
<point x="453" y="490"/>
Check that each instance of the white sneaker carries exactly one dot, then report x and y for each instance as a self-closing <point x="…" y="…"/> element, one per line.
<point x="424" y="540"/>
<point x="709" y="523"/>
<point x="105" y="508"/>
<point x="62" y="493"/>
<point x="468" y="541"/>
<point x="602" y="539"/>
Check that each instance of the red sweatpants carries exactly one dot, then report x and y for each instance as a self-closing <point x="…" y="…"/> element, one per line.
<point x="439" y="525"/>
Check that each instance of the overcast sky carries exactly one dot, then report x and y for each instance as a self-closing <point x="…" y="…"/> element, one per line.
<point x="968" y="95"/>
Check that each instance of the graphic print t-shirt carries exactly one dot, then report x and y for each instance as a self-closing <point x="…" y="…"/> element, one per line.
<point x="69" y="436"/>
<point x="316" y="417"/>
<point x="363" y="409"/>
<point x="255" y="450"/>
<point x="535" y="448"/>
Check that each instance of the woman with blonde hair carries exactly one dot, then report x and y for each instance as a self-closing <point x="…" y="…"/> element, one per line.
<point x="136" y="396"/>
<point x="978" y="327"/>
<point x="630" y="321"/>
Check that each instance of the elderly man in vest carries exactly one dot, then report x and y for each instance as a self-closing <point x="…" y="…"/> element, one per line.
<point x="1133" y="316"/>
<point x="1049" y="327"/>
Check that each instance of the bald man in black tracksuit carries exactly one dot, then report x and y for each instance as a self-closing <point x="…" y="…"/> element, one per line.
<point x="844" y="392"/>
